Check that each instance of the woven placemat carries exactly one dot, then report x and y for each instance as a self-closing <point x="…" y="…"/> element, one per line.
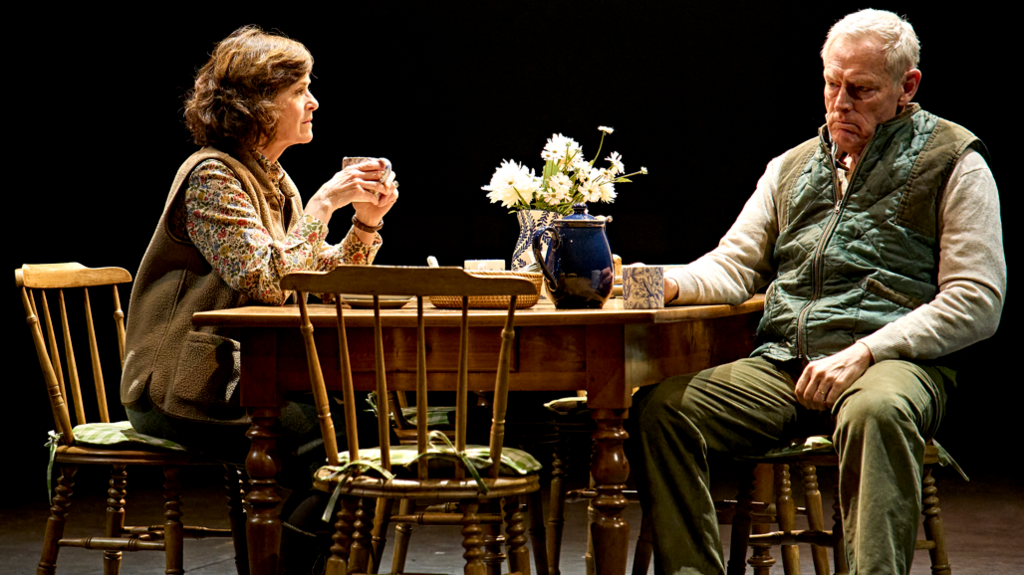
<point x="492" y="302"/>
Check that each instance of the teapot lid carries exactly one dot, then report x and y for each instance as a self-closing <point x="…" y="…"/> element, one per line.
<point x="579" y="218"/>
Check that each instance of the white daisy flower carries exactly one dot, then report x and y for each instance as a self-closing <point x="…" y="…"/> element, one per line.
<point x="560" y="147"/>
<point x="559" y="186"/>
<point x="606" y="190"/>
<point x="580" y="165"/>
<point x="616" y="161"/>
<point x="606" y="129"/>
<point x="528" y="185"/>
<point x="591" y="191"/>
<point x="510" y="183"/>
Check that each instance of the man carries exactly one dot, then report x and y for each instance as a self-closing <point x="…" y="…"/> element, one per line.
<point x="882" y="244"/>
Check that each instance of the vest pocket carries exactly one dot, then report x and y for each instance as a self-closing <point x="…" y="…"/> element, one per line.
<point x="206" y="377"/>
<point x="873" y="286"/>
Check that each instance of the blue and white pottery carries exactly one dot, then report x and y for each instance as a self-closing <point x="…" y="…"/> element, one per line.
<point x="578" y="264"/>
<point x="530" y="222"/>
<point x="643" y="287"/>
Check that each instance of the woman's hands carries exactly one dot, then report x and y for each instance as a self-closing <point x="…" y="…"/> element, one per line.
<point x="354" y="185"/>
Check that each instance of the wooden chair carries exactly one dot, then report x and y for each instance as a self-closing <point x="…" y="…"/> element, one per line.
<point x="106" y="443"/>
<point x="570" y="462"/>
<point x="425" y="478"/>
<point x="766" y="498"/>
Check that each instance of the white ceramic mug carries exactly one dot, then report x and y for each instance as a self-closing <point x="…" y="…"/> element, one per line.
<point x="484" y="265"/>
<point x="643" y="287"/>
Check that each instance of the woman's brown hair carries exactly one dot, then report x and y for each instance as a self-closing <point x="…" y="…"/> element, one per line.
<point x="232" y="103"/>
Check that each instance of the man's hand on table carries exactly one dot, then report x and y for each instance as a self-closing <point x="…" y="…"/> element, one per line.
<point x="671" y="289"/>
<point x="824" y="380"/>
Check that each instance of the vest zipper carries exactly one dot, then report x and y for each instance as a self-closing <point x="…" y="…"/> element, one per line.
<point x="801" y="320"/>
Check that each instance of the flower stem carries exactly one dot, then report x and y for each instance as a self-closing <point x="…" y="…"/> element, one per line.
<point x="599" y="146"/>
<point x="632" y="174"/>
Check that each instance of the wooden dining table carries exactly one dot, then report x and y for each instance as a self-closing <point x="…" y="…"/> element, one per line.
<point x="606" y="352"/>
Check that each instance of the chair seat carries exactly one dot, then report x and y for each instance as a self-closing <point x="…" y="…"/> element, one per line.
<point x="324" y="479"/>
<point x="816" y="444"/>
<point x="120" y="434"/>
<point x="118" y="443"/>
<point x="819" y="450"/>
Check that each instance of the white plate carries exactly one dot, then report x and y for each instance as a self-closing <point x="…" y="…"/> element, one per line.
<point x="366" y="301"/>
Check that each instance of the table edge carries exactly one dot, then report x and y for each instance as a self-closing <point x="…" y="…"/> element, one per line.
<point x="288" y="316"/>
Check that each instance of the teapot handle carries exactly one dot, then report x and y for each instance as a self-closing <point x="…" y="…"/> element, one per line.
<point x="556" y="242"/>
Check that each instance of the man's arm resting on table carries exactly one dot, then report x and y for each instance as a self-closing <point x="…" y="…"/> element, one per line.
<point x="741" y="263"/>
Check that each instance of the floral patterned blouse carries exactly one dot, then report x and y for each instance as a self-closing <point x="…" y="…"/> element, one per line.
<point x="223" y="224"/>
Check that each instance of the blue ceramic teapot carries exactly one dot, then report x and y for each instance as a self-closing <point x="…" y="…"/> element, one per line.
<point x="578" y="267"/>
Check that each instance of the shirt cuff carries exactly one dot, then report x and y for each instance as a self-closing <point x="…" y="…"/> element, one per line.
<point x="353" y="251"/>
<point x="887" y="343"/>
<point x="688" y="290"/>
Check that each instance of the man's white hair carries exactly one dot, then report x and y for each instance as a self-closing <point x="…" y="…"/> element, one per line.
<point x="896" y="36"/>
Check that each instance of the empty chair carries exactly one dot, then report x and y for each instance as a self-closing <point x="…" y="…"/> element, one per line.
<point x="475" y="478"/>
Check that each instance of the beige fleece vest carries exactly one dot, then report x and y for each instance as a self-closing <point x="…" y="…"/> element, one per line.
<point x="188" y="373"/>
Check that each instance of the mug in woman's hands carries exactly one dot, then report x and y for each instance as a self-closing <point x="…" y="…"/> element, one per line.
<point x="387" y="175"/>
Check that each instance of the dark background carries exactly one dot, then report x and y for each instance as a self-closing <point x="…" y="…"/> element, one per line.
<point x="704" y="96"/>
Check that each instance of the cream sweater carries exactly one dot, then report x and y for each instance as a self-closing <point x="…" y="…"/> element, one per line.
<point x="971" y="276"/>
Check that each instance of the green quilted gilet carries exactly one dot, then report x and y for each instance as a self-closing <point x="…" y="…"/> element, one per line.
<point x="847" y="267"/>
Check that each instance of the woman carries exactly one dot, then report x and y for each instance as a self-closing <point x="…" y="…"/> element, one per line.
<point x="232" y="226"/>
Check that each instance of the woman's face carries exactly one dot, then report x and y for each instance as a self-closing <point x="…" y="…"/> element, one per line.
<point x="295" y="124"/>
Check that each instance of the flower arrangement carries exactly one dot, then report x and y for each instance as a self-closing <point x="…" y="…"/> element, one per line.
<point x="568" y="178"/>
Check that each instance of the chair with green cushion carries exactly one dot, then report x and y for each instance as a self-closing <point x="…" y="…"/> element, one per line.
<point x="105" y="443"/>
<point x="473" y="478"/>
<point x="807" y="455"/>
<point x="766" y="498"/>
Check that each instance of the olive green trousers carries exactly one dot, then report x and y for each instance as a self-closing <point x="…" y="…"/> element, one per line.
<point x="879" y="426"/>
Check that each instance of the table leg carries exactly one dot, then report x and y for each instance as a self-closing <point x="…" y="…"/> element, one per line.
<point x="609" y="531"/>
<point x="263" y="529"/>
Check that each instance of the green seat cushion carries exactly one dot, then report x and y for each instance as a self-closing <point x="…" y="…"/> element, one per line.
<point x="819" y="444"/>
<point x="436" y="416"/>
<point x="513" y="461"/>
<point x="120" y="435"/>
<point x="822" y="444"/>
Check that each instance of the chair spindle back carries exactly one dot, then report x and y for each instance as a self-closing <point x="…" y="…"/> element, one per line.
<point x="378" y="281"/>
<point x="57" y="278"/>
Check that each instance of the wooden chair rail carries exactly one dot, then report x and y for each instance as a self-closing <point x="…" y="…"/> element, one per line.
<point x="69" y="275"/>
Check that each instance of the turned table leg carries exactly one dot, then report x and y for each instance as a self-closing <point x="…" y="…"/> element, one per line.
<point x="609" y="531"/>
<point x="263" y="528"/>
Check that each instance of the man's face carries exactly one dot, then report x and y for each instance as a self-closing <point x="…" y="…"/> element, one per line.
<point x="860" y="93"/>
